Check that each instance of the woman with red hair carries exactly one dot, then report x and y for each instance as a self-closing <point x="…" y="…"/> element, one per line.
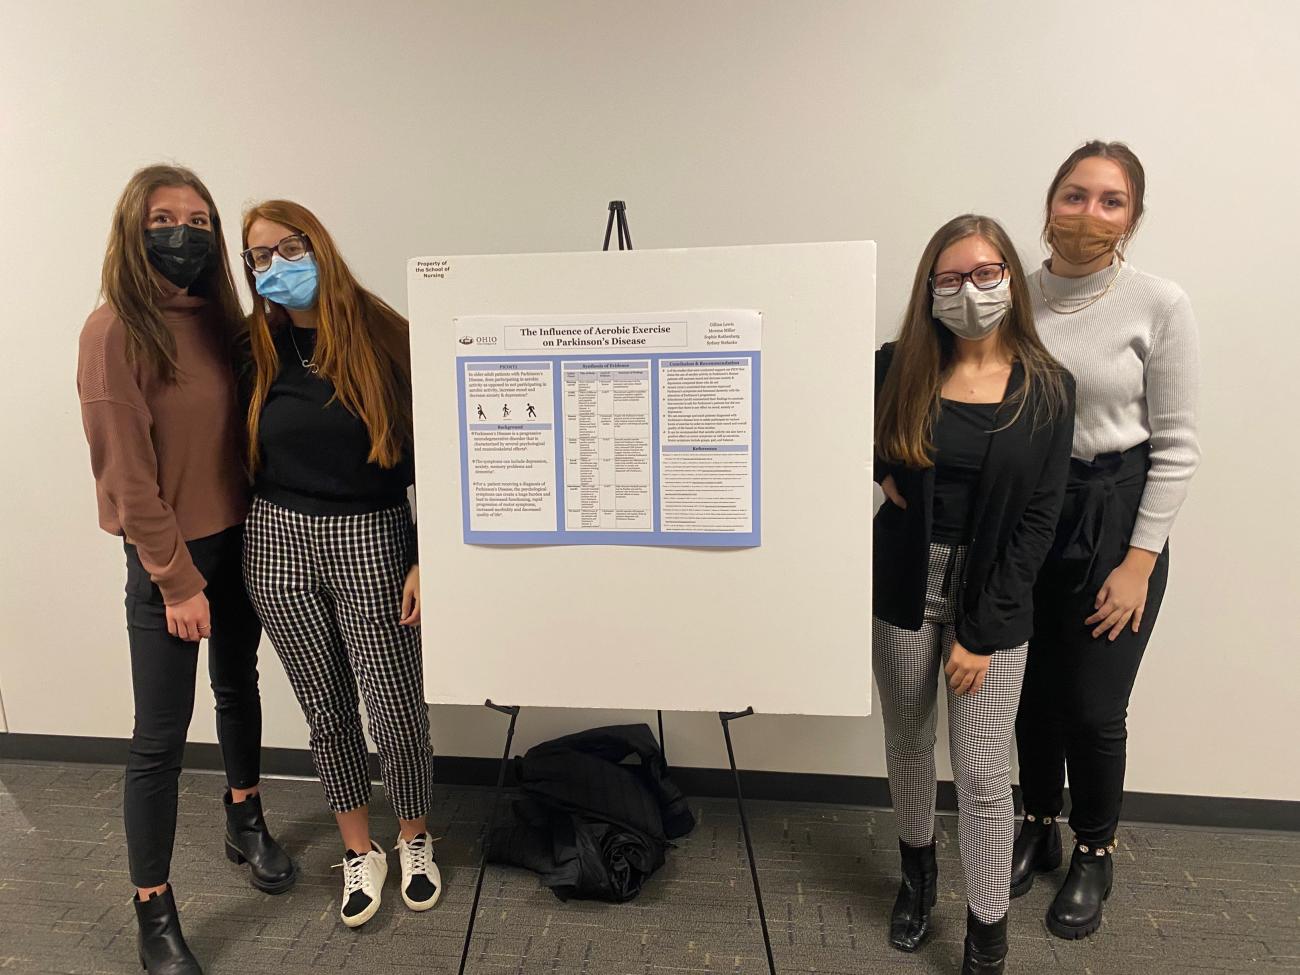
<point x="331" y="561"/>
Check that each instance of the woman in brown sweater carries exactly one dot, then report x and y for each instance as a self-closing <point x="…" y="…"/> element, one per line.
<point x="159" y="409"/>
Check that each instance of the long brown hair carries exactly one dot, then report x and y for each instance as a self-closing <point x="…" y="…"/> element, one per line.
<point x="1127" y="161"/>
<point x="362" y="344"/>
<point x="131" y="288"/>
<point x="909" y="400"/>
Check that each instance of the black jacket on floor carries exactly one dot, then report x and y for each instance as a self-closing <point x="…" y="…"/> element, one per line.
<point x="1016" y="507"/>
<point x="590" y="823"/>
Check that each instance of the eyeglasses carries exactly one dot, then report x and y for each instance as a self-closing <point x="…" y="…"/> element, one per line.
<point x="291" y="248"/>
<point x="986" y="277"/>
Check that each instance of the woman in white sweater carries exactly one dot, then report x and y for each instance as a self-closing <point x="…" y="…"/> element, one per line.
<point x="1130" y="340"/>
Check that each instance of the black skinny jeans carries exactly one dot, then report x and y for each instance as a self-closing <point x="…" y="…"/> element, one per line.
<point x="1074" y="702"/>
<point x="163" y="670"/>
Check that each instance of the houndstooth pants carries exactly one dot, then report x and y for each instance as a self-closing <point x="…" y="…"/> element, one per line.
<point x="328" y="589"/>
<point x="981" y="727"/>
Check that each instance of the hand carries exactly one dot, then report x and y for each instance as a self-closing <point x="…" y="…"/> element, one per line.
<point x="1123" y="596"/>
<point x="891" y="492"/>
<point x="411" y="598"/>
<point x="966" y="670"/>
<point x="190" y="620"/>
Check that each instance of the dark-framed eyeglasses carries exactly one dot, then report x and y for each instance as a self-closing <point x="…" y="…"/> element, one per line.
<point x="986" y="277"/>
<point x="292" y="248"/>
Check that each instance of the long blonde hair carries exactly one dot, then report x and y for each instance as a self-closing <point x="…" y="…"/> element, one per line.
<point x="128" y="283"/>
<point x="910" y="397"/>
<point x="362" y="343"/>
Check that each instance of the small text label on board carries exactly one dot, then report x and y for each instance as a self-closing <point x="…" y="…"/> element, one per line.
<point x="433" y="269"/>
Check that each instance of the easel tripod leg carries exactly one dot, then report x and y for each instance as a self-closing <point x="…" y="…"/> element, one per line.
<point x="726" y="717"/>
<point x="492" y="821"/>
<point x="609" y="227"/>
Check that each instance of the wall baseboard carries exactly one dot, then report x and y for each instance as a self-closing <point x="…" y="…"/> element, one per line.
<point x="1210" y="812"/>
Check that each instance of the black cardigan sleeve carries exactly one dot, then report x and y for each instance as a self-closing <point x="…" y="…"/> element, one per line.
<point x="884" y="356"/>
<point x="1011" y="579"/>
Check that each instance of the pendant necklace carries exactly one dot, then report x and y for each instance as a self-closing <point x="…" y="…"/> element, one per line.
<point x="307" y="364"/>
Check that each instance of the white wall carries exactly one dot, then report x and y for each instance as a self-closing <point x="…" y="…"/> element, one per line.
<point x="480" y="128"/>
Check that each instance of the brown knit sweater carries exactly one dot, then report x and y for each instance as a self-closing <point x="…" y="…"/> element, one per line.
<point x="166" y="457"/>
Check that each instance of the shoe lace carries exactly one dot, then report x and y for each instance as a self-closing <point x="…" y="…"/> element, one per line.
<point x="354" y="874"/>
<point x="417" y="853"/>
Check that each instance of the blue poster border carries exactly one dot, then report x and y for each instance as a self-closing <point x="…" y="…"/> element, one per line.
<point x="657" y="537"/>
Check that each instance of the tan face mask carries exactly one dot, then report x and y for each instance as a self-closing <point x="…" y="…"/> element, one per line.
<point x="1081" y="238"/>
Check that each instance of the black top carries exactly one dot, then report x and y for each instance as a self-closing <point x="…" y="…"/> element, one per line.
<point x="1014" y="511"/>
<point x="961" y="440"/>
<point x="313" y="451"/>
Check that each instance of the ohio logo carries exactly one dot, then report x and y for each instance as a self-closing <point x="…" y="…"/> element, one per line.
<point x="465" y="340"/>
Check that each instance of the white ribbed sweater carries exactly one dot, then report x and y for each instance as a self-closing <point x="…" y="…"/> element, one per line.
<point x="1135" y="362"/>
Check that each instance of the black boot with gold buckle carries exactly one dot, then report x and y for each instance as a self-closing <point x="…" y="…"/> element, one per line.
<point x="1076" y="911"/>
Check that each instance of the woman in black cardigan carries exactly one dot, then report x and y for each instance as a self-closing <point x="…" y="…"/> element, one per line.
<point x="974" y="421"/>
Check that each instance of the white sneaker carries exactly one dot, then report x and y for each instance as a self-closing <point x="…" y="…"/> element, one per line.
<point x="421" y="879"/>
<point x="363" y="883"/>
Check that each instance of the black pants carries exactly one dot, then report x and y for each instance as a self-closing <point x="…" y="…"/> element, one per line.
<point x="1074" y="703"/>
<point x="163" y="671"/>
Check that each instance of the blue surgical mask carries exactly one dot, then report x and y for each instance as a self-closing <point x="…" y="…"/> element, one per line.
<point x="293" y="284"/>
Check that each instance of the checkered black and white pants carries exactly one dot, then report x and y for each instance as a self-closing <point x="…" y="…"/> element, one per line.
<point x="328" y="589"/>
<point x="981" y="728"/>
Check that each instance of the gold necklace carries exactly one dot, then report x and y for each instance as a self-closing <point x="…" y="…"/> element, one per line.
<point x="1042" y="287"/>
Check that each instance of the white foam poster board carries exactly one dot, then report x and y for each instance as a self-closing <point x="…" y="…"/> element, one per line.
<point x="777" y="617"/>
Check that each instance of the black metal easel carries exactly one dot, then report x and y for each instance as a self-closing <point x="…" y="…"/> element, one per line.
<point x="618" y="218"/>
<point x="726" y="717"/>
<point x="492" y="821"/>
<point x="618" y="215"/>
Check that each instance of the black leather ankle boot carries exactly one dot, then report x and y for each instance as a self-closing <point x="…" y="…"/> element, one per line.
<point x="249" y="841"/>
<point x="1076" y="911"/>
<point x="163" y="950"/>
<point x="1037" y="850"/>
<point x="986" y="946"/>
<point x="909" y="925"/>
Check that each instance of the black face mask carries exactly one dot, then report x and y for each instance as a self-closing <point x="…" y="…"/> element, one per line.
<point x="179" y="253"/>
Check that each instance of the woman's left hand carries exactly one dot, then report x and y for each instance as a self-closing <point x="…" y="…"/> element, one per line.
<point x="966" y="670"/>
<point x="1123" y="596"/>
<point x="411" y="598"/>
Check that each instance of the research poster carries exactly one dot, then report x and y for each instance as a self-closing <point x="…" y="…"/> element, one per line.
<point x="624" y="429"/>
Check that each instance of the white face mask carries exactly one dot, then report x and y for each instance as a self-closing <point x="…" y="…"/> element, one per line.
<point x="972" y="313"/>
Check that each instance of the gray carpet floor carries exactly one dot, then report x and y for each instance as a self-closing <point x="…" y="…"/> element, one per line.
<point x="1186" y="901"/>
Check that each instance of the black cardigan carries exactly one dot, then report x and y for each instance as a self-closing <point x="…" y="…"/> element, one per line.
<point x="1016" y="507"/>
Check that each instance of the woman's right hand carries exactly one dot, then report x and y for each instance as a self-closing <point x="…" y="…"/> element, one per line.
<point x="891" y="492"/>
<point x="190" y="620"/>
<point x="411" y="598"/>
